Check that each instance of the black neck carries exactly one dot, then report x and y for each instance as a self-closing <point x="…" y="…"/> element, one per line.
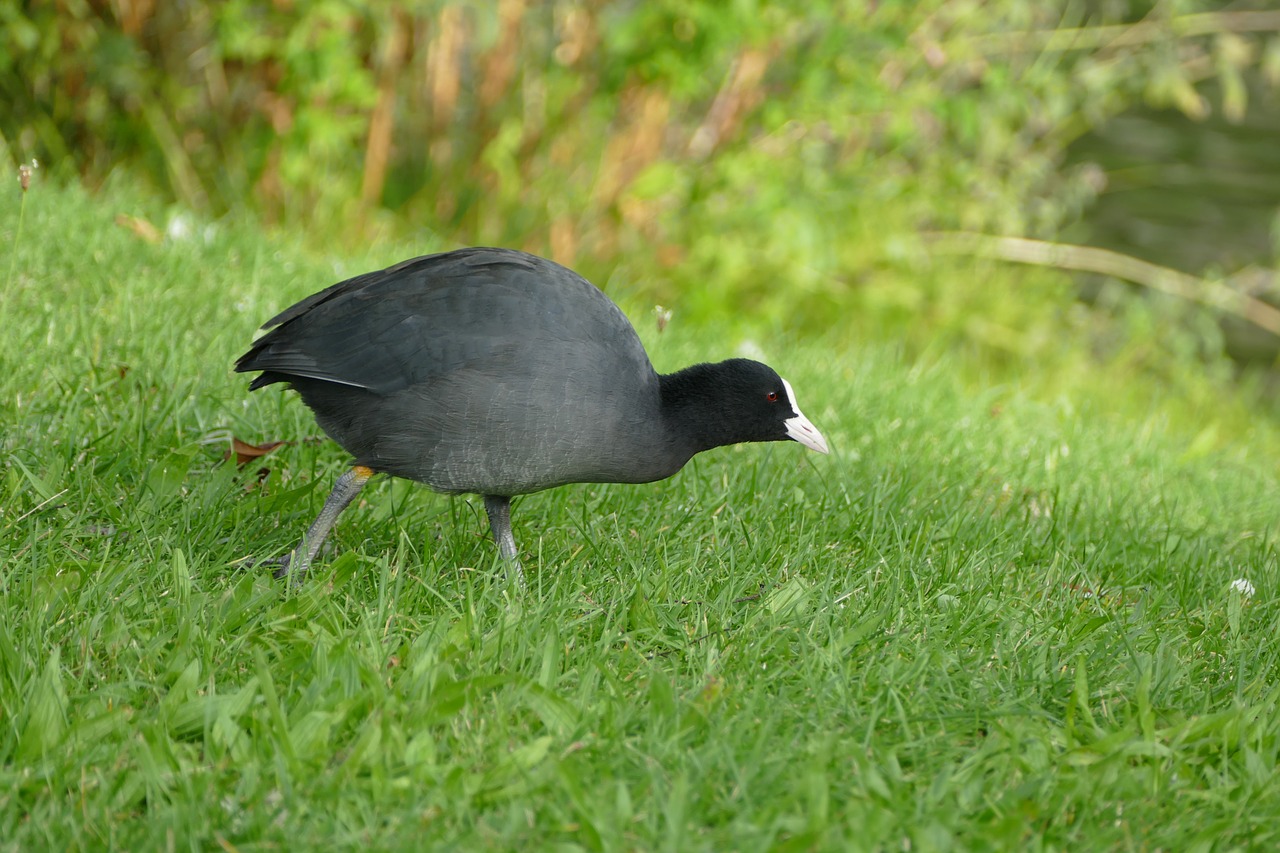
<point x="691" y="401"/>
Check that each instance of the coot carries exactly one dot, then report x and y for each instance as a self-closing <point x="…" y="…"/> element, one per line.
<point x="500" y="373"/>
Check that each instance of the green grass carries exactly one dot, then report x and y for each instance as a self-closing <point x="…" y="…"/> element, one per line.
<point x="989" y="619"/>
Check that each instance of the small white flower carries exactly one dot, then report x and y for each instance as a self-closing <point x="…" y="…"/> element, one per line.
<point x="1242" y="586"/>
<point x="662" y="316"/>
<point x="179" y="228"/>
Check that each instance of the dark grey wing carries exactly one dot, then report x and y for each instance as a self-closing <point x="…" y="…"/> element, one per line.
<point x="430" y="316"/>
<point x="374" y="349"/>
<point x="335" y="291"/>
<point x="289" y="351"/>
<point x="439" y="264"/>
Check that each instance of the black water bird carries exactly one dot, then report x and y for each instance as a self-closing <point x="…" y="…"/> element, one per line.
<point x="496" y="372"/>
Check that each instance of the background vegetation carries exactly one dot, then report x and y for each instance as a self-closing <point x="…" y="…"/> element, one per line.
<point x="1006" y="249"/>
<point x="807" y="163"/>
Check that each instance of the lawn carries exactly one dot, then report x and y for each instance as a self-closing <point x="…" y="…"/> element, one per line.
<point x="992" y="618"/>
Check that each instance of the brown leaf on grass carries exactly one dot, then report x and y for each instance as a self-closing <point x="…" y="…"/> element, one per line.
<point x="140" y="227"/>
<point x="246" y="452"/>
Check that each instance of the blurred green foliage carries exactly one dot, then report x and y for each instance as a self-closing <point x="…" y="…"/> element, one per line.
<point x="783" y="158"/>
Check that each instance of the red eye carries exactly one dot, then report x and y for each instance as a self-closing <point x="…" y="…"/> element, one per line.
<point x="772" y="396"/>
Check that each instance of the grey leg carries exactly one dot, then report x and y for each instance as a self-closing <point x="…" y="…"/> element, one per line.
<point x="499" y="511"/>
<point x="295" y="565"/>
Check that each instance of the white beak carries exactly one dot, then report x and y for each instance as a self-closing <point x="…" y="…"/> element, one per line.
<point x="800" y="428"/>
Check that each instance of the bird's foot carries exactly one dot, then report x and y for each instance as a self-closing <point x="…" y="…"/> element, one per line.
<point x="280" y="567"/>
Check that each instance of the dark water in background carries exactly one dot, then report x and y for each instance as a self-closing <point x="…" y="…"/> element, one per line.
<point x="1202" y="197"/>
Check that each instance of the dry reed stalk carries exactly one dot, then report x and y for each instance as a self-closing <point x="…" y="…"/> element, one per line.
<point x="635" y="145"/>
<point x="444" y="67"/>
<point x="738" y="95"/>
<point x="381" y="122"/>
<point x="502" y="59"/>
